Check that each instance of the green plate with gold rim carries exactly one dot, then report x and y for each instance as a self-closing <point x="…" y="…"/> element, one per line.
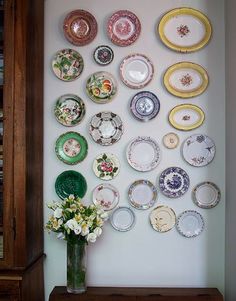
<point x="71" y="148"/>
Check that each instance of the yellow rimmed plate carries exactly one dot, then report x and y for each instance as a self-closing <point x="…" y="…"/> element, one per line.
<point x="186" y="79"/>
<point x="185" y="29"/>
<point x="186" y="117"/>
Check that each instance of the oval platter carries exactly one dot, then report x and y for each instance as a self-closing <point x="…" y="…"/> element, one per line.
<point x="186" y="79"/>
<point x="106" y="196"/>
<point x="185" y="29"/>
<point x="186" y="117"/>
<point x="206" y="195"/>
<point x="162" y="218"/>
<point x="106" y="166"/>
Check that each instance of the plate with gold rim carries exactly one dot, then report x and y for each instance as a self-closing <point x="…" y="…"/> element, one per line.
<point x="206" y="195"/>
<point x="106" y="195"/>
<point x="162" y="218"/>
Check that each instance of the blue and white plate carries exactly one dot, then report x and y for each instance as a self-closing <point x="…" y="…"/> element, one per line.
<point x="174" y="182"/>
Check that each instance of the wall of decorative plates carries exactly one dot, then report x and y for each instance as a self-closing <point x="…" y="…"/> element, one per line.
<point x="134" y="121"/>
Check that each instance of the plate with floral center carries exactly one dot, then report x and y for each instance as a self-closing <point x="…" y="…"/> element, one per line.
<point x="174" y="182"/>
<point x="143" y="153"/>
<point x="69" y="109"/>
<point x="122" y="219"/>
<point x="136" y="71"/>
<point x="142" y="194"/>
<point x="80" y="27"/>
<point x="106" y="195"/>
<point x="185" y="29"/>
<point x="171" y="140"/>
<point x="103" y="55"/>
<point x="123" y="28"/>
<point x="190" y="223"/>
<point x="162" y="218"/>
<point x="106" y="166"/>
<point x="67" y="64"/>
<point x="106" y="128"/>
<point x="198" y="150"/>
<point x="101" y="87"/>
<point x="206" y="195"/>
<point x="145" y="105"/>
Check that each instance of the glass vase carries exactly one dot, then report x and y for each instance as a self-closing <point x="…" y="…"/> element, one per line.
<point x="76" y="266"/>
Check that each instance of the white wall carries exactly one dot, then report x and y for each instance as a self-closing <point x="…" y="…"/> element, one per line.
<point x="141" y="257"/>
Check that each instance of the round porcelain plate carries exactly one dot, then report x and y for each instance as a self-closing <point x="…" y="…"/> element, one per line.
<point x="206" y="195"/>
<point x="162" y="218"/>
<point x="171" y="140"/>
<point x="106" y="166"/>
<point x="122" y="219"/>
<point x="106" y="196"/>
<point x="190" y="223"/>
<point x="103" y="55"/>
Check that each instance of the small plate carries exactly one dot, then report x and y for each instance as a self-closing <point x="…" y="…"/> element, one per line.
<point x="186" y="80"/>
<point x="67" y="64"/>
<point x="143" y="153"/>
<point x="185" y="29"/>
<point x="122" y="219"/>
<point x="174" y="182"/>
<point x="70" y="182"/>
<point x="103" y="55"/>
<point x="142" y="194"/>
<point x="123" y="28"/>
<point x="106" y="166"/>
<point x="206" y="195"/>
<point x="162" y="218"/>
<point x="186" y="117"/>
<point x="190" y="223"/>
<point x="71" y="148"/>
<point x="69" y="109"/>
<point x="145" y="105"/>
<point x="101" y="87"/>
<point x="198" y="150"/>
<point x="80" y="27"/>
<point x="106" y="196"/>
<point x="171" y="140"/>
<point x="106" y="128"/>
<point x="136" y="71"/>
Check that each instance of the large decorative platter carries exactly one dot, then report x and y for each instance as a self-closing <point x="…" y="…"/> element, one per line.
<point x="71" y="148"/>
<point x="186" y="117"/>
<point x="70" y="182"/>
<point x="145" y="105"/>
<point x="80" y="27"/>
<point x="142" y="194"/>
<point x="106" y="166"/>
<point x="136" y="71"/>
<point x="190" y="223"/>
<point x="67" y="64"/>
<point x="185" y="29"/>
<point x="106" y="128"/>
<point x="122" y="219"/>
<point x="123" y="28"/>
<point x="171" y="140"/>
<point x="143" y="153"/>
<point x="103" y="55"/>
<point x="198" y="150"/>
<point x="186" y="79"/>
<point x="106" y="196"/>
<point x="174" y="182"/>
<point x="101" y="87"/>
<point x="206" y="195"/>
<point x="69" y="109"/>
<point x="162" y="218"/>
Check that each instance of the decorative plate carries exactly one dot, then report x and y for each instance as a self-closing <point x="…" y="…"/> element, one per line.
<point x="199" y="150"/>
<point x="143" y="153"/>
<point x="171" y="140"/>
<point x="186" y="117"/>
<point x="122" y="219"/>
<point x="67" y="64"/>
<point x="162" y="218"/>
<point x="71" y="148"/>
<point x="136" y="71"/>
<point x="101" y="87"/>
<point x="185" y="29"/>
<point x="186" y="79"/>
<point x="145" y="105"/>
<point x="123" y="28"/>
<point x="103" y="55"/>
<point x="69" y="109"/>
<point x="106" y="166"/>
<point x="80" y="27"/>
<point x="142" y="194"/>
<point x="174" y="182"/>
<point x="206" y="195"/>
<point x="70" y="182"/>
<point x="190" y="223"/>
<point x="106" y="128"/>
<point x="106" y="196"/>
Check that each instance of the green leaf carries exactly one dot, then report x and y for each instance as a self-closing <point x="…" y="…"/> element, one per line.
<point x="115" y="169"/>
<point x="104" y="156"/>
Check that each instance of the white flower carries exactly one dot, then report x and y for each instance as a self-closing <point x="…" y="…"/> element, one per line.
<point x="77" y="230"/>
<point x="73" y="225"/>
<point x="91" y="237"/>
<point x="104" y="216"/>
<point x="97" y="231"/>
<point x="85" y="229"/>
<point x="57" y="213"/>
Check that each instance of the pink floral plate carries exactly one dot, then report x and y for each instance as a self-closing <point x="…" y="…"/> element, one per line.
<point x="106" y="195"/>
<point x="106" y="166"/>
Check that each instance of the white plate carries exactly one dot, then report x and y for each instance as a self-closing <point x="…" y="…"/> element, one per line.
<point x="106" y="196"/>
<point x="206" y="195"/>
<point x="162" y="218"/>
<point x="190" y="223"/>
<point x="106" y="166"/>
<point x="122" y="219"/>
<point x="171" y="140"/>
